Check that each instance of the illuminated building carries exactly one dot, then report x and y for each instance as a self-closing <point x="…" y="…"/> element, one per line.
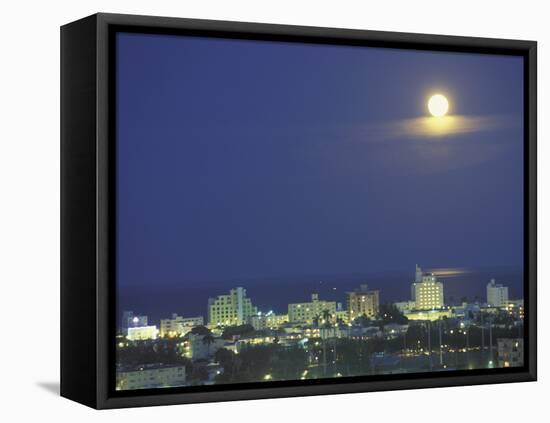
<point x="230" y="310"/>
<point x="131" y="320"/>
<point x="497" y="294"/>
<point x="315" y="310"/>
<point x="430" y="315"/>
<point x="510" y="352"/>
<point x="142" y="333"/>
<point x="267" y="320"/>
<point x="427" y="291"/>
<point x="342" y="315"/>
<point x="363" y="302"/>
<point x="198" y="346"/>
<point x="255" y="340"/>
<point x="146" y="377"/>
<point x="312" y="332"/>
<point x="178" y="325"/>
<point x="515" y="308"/>
<point x="276" y="320"/>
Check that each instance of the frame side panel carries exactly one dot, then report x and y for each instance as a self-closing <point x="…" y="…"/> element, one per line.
<point x="106" y="239"/>
<point x="78" y="211"/>
<point x="532" y="210"/>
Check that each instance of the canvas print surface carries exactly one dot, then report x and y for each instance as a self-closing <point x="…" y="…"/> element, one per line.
<point x="298" y="211"/>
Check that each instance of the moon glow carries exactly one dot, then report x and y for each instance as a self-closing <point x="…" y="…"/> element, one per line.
<point x="438" y="105"/>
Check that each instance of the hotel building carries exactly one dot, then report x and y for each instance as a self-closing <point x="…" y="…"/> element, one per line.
<point x="363" y="302"/>
<point x="307" y="313"/>
<point x="497" y="294"/>
<point x="427" y="291"/>
<point x="230" y="310"/>
<point x="178" y="325"/>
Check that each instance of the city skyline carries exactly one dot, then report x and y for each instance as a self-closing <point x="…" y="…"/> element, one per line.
<point x="189" y="350"/>
<point x="460" y="283"/>
<point x="492" y="290"/>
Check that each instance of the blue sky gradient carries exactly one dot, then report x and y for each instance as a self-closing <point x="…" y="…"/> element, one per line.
<point x="244" y="159"/>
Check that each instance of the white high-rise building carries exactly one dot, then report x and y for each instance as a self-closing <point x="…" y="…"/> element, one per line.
<point x="230" y="310"/>
<point x="497" y="294"/>
<point x="427" y="291"/>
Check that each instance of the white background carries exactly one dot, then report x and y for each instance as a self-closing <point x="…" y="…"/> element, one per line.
<point x="29" y="208"/>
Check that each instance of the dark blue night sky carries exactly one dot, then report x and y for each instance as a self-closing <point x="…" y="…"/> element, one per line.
<point x="250" y="159"/>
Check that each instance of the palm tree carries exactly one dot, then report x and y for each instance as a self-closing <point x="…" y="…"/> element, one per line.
<point x="316" y="320"/>
<point x="326" y="317"/>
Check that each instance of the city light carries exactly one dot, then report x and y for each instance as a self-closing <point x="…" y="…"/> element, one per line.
<point x="240" y="343"/>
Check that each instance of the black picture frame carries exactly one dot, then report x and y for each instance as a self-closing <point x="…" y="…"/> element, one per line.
<point x="87" y="209"/>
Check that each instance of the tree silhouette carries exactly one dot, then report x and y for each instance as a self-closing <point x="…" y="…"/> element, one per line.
<point x="208" y="340"/>
<point x="326" y="317"/>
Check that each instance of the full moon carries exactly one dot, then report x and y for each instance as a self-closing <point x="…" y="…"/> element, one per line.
<point x="438" y="105"/>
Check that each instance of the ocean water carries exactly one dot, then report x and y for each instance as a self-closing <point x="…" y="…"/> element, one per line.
<point x="275" y="293"/>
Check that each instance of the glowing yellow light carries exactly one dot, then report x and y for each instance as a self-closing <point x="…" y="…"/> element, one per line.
<point x="438" y="105"/>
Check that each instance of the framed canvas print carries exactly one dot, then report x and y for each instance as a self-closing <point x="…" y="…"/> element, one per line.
<point x="254" y="211"/>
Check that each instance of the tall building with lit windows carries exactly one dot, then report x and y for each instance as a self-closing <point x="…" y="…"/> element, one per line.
<point x="178" y="325"/>
<point x="427" y="291"/>
<point x="230" y="310"/>
<point x="363" y="302"/>
<point x="497" y="294"/>
<point x="315" y="310"/>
